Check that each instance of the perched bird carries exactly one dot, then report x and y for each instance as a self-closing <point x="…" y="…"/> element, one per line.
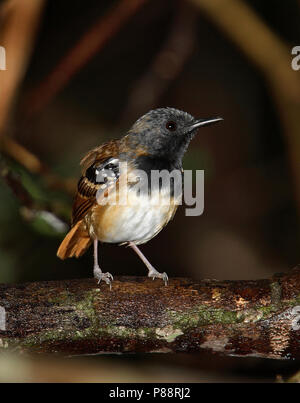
<point x="114" y="204"/>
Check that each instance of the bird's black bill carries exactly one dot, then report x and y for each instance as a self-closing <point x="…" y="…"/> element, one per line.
<point x="204" y="122"/>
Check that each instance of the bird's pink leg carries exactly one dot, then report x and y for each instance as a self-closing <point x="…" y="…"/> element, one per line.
<point x="152" y="272"/>
<point x="98" y="274"/>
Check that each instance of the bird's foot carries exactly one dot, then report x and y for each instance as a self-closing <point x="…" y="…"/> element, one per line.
<point x="99" y="275"/>
<point x="155" y="274"/>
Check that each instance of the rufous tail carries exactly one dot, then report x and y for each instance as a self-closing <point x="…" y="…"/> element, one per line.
<point x="75" y="243"/>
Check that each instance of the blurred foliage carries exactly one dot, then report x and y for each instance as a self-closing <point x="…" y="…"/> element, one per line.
<point x="250" y="226"/>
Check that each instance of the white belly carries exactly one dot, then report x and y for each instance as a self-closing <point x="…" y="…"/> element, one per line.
<point x="138" y="221"/>
<point x="137" y="224"/>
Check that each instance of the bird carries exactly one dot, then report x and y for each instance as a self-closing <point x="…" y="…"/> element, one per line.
<point x="156" y="142"/>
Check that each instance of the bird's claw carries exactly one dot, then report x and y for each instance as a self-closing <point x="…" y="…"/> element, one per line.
<point x="106" y="277"/>
<point x="155" y="274"/>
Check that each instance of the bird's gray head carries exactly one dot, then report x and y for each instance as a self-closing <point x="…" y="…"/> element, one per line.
<point x="165" y="132"/>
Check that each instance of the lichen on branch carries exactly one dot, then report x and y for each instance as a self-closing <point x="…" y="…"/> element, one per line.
<point x="244" y="318"/>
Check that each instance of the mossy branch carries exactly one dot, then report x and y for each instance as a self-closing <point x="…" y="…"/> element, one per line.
<point x="243" y="318"/>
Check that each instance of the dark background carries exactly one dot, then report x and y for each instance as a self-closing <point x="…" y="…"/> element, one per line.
<point x="169" y="53"/>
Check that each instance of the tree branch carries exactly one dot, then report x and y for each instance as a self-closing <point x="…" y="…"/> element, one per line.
<point x="243" y="318"/>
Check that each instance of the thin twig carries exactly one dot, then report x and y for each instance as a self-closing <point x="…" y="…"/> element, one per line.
<point x="166" y="65"/>
<point x="273" y="57"/>
<point x="34" y="205"/>
<point x="31" y="162"/>
<point x="90" y="44"/>
<point x="19" y="26"/>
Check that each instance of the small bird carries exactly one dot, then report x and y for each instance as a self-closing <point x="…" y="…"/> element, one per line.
<point x="156" y="141"/>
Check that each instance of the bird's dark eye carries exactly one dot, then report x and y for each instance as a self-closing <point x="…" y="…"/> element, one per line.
<point x="171" y="126"/>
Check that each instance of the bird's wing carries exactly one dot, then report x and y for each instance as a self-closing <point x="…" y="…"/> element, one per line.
<point x="100" y="169"/>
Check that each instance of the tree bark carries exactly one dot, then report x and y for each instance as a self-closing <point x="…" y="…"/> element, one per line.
<point x="243" y="318"/>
